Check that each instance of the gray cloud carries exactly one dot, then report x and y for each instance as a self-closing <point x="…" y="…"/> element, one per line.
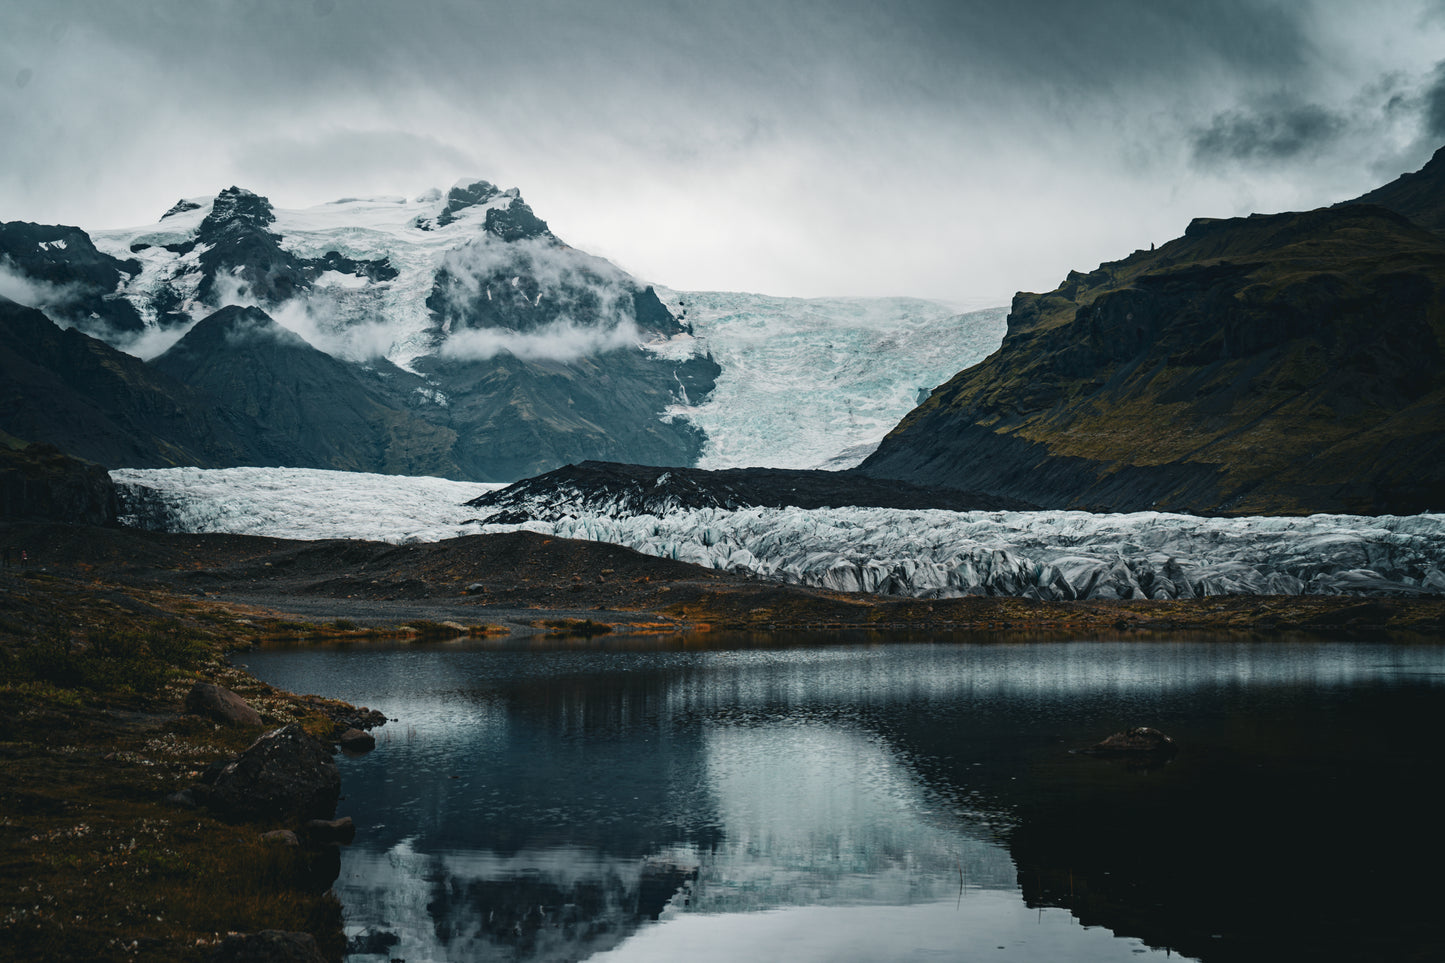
<point x="936" y="147"/>
<point x="1272" y="133"/>
<point x="366" y="161"/>
<point x="1435" y="105"/>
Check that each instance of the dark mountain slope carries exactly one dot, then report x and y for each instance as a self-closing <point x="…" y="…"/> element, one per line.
<point x="517" y="417"/>
<point x="76" y="282"/>
<point x="41" y="483"/>
<point x="73" y="391"/>
<point x="1288" y="363"/>
<point x="1419" y="195"/>
<point x="310" y="410"/>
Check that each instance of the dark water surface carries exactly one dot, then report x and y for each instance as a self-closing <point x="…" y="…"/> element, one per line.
<point x="750" y="800"/>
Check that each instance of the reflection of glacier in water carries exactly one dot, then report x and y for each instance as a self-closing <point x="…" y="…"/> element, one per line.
<point x="1051" y="555"/>
<point x="821" y="803"/>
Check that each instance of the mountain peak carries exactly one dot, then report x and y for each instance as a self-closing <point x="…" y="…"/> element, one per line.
<point x="516" y="222"/>
<point x="182" y="206"/>
<point x="466" y="193"/>
<point x="236" y="205"/>
<point x="234" y="325"/>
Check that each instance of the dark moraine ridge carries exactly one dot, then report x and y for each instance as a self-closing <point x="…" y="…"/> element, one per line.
<point x="622" y="490"/>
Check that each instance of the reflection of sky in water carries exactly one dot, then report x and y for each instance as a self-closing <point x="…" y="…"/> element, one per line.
<point x="549" y="805"/>
<point x="816" y="814"/>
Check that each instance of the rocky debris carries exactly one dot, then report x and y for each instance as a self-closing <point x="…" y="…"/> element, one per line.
<point x="220" y="704"/>
<point x="354" y="740"/>
<point x="1138" y="741"/>
<point x="350" y="717"/>
<point x="268" y="946"/>
<point x="618" y="490"/>
<point x="379" y="269"/>
<point x="325" y="831"/>
<point x="285" y="774"/>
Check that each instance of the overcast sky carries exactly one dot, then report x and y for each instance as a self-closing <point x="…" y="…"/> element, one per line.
<point x="941" y="148"/>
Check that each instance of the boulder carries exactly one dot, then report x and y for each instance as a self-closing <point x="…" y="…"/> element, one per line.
<point x="285" y="774"/>
<point x="354" y="740"/>
<point x="268" y="946"/>
<point x="341" y="830"/>
<point x="281" y="837"/>
<point x="1138" y="741"/>
<point x="221" y="704"/>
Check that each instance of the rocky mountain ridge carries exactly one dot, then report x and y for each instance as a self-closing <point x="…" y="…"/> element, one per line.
<point x="448" y="335"/>
<point x="600" y="488"/>
<point x="1286" y="363"/>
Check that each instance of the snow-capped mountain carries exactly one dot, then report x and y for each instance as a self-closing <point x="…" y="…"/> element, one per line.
<point x="467" y="339"/>
<point x="471" y="342"/>
<point x="386" y="277"/>
<point x="931" y="553"/>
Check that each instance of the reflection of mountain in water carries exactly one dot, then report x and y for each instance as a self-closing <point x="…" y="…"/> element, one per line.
<point x="571" y="809"/>
<point x="563" y="904"/>
<point x="596" y="791"/>
<point x="796" y="815"/>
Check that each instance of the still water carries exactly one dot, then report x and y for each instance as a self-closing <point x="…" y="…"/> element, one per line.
<point x="751" y="799"/>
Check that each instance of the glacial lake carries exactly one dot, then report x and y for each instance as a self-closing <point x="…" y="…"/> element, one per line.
<point x="728" y="798"/>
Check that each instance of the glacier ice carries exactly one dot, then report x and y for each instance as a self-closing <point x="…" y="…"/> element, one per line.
<point x="922" y="553"/>
<point x="818" y="382"/>
<point x="296" y="503"/>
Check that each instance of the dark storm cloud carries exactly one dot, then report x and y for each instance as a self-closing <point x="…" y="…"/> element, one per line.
<point x="741" y="64"/>
<point x="1272" y="133"/>
<point x="828" y="140"/>
<point x="1435" y="105"/>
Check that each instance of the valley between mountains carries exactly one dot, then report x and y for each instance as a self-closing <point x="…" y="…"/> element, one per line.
<point x="431" y="419"/>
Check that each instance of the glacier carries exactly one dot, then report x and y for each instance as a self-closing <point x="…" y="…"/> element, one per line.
<point x="818" y="382"/>
<point x="298" y="503"/>
<point x="920" y="553"/>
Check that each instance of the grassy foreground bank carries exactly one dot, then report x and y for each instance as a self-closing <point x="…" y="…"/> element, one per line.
<point x="95" y="862"/>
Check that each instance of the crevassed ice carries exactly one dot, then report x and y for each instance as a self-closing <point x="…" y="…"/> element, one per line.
<point x="818" y="382"/>
<point x="919" y="553"/>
